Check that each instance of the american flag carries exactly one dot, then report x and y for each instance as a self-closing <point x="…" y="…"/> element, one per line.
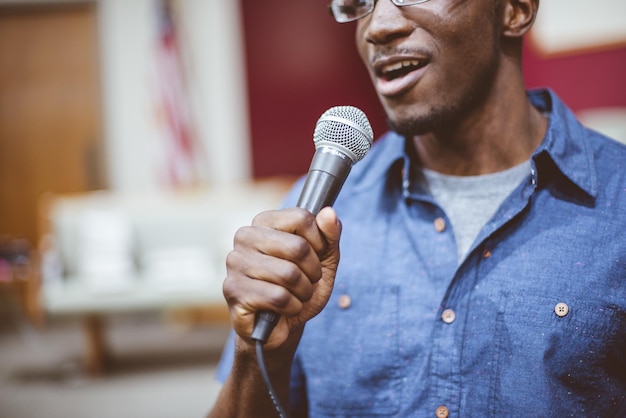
<point x="182" y="150"/>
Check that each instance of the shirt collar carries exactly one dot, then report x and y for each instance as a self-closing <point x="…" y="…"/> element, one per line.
<point x="564" y="145"/>
<point x="385" y="154"/>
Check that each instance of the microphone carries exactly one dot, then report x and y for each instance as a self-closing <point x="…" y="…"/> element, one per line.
<point x="342" y="137"/>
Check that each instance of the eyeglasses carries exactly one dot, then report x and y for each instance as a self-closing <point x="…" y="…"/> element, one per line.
<point x="349" y="10"/>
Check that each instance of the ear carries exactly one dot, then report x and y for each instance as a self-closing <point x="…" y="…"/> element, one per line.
<point x="519" y="16"/>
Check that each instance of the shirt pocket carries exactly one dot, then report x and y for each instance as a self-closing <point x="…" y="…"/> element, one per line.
<point x="560" y="353"/>
<point x="350" y="356"/>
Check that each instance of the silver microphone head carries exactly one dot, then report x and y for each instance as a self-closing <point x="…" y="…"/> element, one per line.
<point x="345" y="128"/>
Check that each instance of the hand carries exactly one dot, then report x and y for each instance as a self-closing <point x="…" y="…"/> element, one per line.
<point x="285" y="263"/>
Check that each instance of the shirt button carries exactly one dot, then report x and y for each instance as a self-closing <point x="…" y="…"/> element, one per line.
<point x="561" y="309"/>
<point x="487" y="254"/>
<point x="344" y="301"/>
<point x="439" y="224"/>
<point x="448" y="316"/>
<point x="442" y="412"/>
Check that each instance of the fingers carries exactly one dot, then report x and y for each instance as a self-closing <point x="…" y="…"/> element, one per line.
<point x="276" y="264"/>
<point x="290" y="241"/>
<point x="294" y="221"/>
<point x="266" y="282"/>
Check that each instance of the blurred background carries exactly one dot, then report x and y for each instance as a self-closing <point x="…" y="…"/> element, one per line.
<point x="137" y="135"/>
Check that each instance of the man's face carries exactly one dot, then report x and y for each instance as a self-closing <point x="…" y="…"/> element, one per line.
<point x="430" y="63"/>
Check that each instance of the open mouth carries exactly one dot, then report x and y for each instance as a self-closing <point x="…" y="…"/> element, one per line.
<point x="400" y="69"/>
<point x="397" y="76"/>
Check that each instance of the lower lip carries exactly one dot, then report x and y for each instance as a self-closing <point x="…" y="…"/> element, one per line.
<point x="388" y="88"/>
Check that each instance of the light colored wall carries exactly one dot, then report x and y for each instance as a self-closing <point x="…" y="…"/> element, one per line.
<point x="217" y="82"/>
<point x="219" y="74"/>
<point x="126" y="37"/>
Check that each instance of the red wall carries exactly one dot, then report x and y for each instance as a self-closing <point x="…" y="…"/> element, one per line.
<point x="584" y="80"/>
<point x="300" y="63"/>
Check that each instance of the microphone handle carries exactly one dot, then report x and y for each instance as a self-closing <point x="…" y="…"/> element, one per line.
<point x="329" y="170"/>
<point x="327" y="173"/>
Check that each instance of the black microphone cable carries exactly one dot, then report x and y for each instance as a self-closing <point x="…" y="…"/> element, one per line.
<point x="268" y="382"/>
<point x="265" y="323"/>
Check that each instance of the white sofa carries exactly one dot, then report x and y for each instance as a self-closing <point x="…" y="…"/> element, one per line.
<point x="107" y="252"/>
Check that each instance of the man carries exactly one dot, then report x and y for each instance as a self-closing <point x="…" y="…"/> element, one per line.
<point x="483" y="258"/>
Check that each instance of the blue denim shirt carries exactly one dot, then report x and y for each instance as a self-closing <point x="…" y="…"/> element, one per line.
<point x="531" y="324"/>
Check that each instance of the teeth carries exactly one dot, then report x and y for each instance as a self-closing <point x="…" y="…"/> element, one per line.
<point x="399" y="65"/>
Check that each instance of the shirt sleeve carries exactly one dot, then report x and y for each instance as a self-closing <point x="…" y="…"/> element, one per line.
<point x="226" y="361"/>
<point x="298" y="403"/>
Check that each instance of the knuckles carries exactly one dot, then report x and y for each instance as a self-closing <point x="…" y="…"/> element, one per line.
<point x="299" y="249"/>
<point x="288" y="251"/>
<point x="289" y="218"/>
<point x="289" y="274"/>
<point x="244" y="234"/>
<point x="279" y="297"/>
<point x="233" y="259"/>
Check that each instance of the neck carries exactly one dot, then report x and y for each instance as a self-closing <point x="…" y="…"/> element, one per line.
<point x="500" y="133"/>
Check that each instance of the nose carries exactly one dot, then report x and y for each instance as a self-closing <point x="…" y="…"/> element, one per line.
<point x="386" y="23"/>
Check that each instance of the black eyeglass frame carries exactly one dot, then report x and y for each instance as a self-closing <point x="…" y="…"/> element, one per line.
<point x="342" y="17"/>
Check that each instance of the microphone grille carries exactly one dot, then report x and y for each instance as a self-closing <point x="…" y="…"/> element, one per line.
<point x="346" y="128"/>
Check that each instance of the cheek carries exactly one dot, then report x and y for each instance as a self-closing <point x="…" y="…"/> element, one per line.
<point x="359" y="41"/>
<point x="466" y="26"/>
<point x="362" y="49"/>
<point x="469" y="49"/>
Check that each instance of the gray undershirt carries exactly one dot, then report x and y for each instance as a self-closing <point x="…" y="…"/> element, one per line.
<point x="470" y="201"/>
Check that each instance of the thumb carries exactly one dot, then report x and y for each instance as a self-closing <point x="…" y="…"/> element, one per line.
<point x="330" y="225"/>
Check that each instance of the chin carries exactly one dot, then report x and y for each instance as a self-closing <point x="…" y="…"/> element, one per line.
<point x="410" y="116"/>
<point x="412" y="125"/>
